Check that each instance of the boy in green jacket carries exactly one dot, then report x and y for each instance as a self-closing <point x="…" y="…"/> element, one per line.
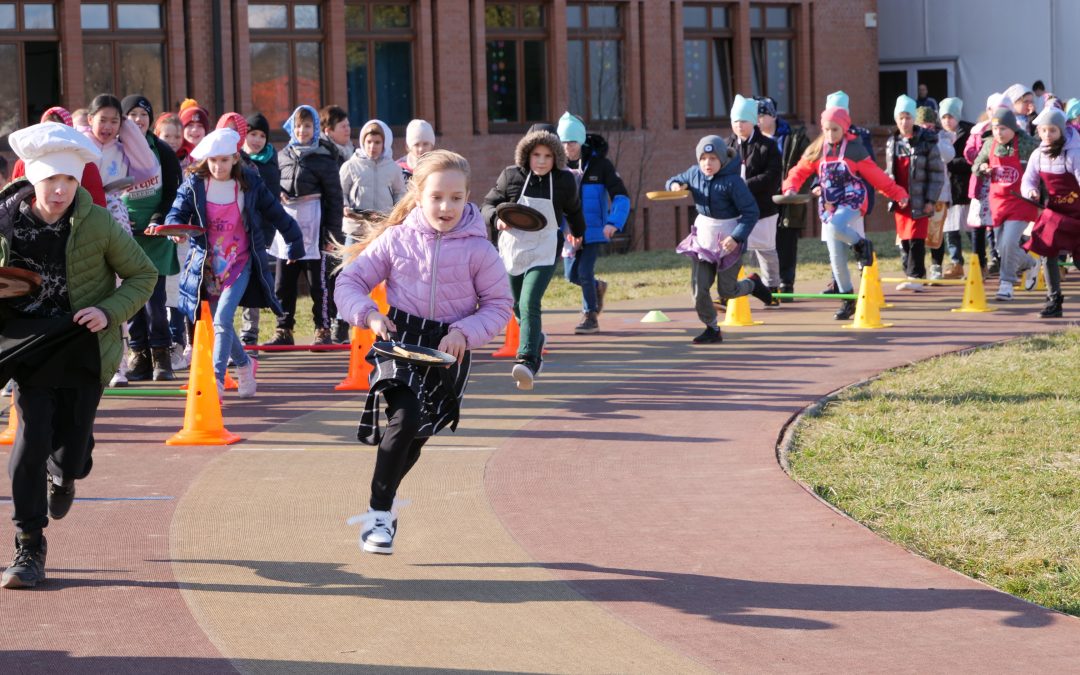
<point x="50" y="226"/>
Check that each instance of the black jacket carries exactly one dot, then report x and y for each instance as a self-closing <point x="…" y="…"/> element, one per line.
<point x="315" y="172"/>
<point x="959" y="169"/>
<point x="511" y="183"/>
<point x="170" y="176"/>
<point x="795" y="143"/>
<point x="761" y="157"/>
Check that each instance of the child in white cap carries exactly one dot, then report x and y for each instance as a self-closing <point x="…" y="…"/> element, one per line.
<point x="50" y="226"/>
<point x="420" y="140"/>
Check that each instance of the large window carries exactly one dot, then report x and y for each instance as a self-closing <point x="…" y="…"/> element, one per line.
<point x="30" y="50"/>
<point x="707" y="61"/>
<point x="594" y="54"/>
<point x="379" y="61"/>
<point x="124" y="50"/>
<point x="516" y="62"/>
<point x="286" y="57"/>
<point x="772" y="39"/>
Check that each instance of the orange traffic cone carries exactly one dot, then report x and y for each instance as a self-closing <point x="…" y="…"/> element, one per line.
<point x="510" y="344"/>
<point x="738" y="309"/>
<point x="360" y="341"/>
<point x="378" y="294"/>
<point x="208" y="328"/>
<point x="974" y="293"/>
<point x="203" y="424"/>
<point x="7" y="437"/>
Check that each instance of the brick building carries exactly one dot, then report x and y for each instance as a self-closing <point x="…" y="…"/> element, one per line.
<point x="652" y="75"/>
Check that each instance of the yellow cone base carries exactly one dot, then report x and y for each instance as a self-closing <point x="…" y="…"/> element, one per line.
<point x="655" y="316"/>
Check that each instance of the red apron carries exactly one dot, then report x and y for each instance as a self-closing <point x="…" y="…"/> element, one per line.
<point x="1005" y="175"/>
<point x="908" y="228"/>
<point x="1058" y="226"/>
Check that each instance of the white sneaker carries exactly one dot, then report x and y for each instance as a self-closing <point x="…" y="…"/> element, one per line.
<point x="118" y="380"/>
<point x="1005" y="291"/>
<point x="245" y="379"/>
<point x="524" y="376"/>
<point x="914" y="285"/>
<point x="935" y="272"/>
<point x="179" y="356"/>
<point x="1031" y="275"/>
<point x="378" y="530"/>
<point x="10" y="387"/>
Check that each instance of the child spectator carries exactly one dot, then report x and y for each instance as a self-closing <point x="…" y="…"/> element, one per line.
<point x="958" y="170"/>
<point x="263" y="156"/>
<point x="334" y="121"/>
<point x="727" y="214"/>
<point x="419" y="140"/>
<point x="926" y="118"/>
<point x="469" y="304"/>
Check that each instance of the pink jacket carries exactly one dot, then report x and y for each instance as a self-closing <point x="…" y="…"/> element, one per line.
<point x="454" y="277"/>
<point x="971" y="151"/>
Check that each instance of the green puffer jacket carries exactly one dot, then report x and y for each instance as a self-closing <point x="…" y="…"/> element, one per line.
<point x="98" y="251"/>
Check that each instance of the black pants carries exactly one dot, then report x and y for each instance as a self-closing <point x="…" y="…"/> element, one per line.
<point x="787" y="249"/>
<point x="285" y="285"/>
<point x="56" y="433"/>
<point x="331" y="284"/>
<point x="150" y="325"/>
<point x="978" y="243"/>
<point x="914" y="257"/>
<point x="399" y="448"/>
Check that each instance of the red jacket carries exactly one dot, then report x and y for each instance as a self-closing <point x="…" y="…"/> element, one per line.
<point x="91" y="180"/>
<point x="858" y="163"/>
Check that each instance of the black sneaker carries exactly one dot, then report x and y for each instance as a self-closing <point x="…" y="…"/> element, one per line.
<point x="588" y="325"/>
<point x="60" y="498"/>
<point x="341" y="332"/>
<point x="787" y="289"/>
<point x="1052" y="308"/>
<point x="831" y="289"/>
<point x="140" y="367"/>
<point x="774" y="302"/>
<point x="865" y="250"/>
<point x="27" y="569"/>
<point x="846" y="311"/>
<point x="601" y="291"/>
<point x="524" y="374"/>
<point x="709" y="336"/>
<point x="761" y="291"/>
<point x="282" y="337"/>
<point x="995" y="265"/>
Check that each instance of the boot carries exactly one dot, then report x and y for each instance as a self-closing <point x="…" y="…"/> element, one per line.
<point x="1052" y="308"/>
<point x="601" y="291"/>
<point x="282" y="337"/>
<point x="588" y="324"/>
<point x="140" y="367"/>
<point x="162" y="358"/>
<point x="775" y="302"/>
<point x="865" y="250"/>
<point x="27" y="569"/>
<point x="341" y="332"/>
<point x="846" y="311"/>
<point x="322" y="337"/>
<point x="787" y="289"/>
<point x="761" y="291"/>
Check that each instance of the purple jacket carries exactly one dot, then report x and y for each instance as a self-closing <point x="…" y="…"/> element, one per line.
<point x="454" y="277"/>
<point x="1067" y="162"/>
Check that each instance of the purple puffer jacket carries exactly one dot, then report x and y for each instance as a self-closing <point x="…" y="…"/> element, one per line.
<point x="454" y="277"/>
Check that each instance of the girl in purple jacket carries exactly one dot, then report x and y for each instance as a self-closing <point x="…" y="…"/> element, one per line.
<point x="447" y="289"/>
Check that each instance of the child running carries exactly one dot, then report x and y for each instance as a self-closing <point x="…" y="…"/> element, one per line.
<point x="1056" y="164"/>
<point x="726" y="216"/>
<point x="228" y="264"/>
<point x="843" y="167"/>
<point x="447" y="289"/>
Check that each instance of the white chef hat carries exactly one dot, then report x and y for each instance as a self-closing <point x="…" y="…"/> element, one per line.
<point x="50" y="148"/>
<point x="217" y="143"/>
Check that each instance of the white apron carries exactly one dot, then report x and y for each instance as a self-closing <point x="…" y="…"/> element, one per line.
<point x="763" y="236"/>
<point x="709" y="232"/>
<point x="520" y="250"/>
<point x="956" y="216"/>
<point x="307" y="212"/>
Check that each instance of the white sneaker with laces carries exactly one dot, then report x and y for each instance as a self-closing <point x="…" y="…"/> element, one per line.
<point x="245" y="379"/>
<point x="180" y="358"/>
<point x="912" y="285"/>
<point x="935" y="272"/>
<point x="378" y="530"/>
<point x="1031" y="275"/>
<point x="1005" y="291"/>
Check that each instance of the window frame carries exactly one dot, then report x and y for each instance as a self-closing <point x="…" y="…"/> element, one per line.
<point x="519" y="35"/>
<point x="18" y="37"/>
<point x="372" y="36"/>
<point x="586" y="35"/>
<point x="710" y="34"/>
<point x="115" y="37"/>
<point x="759" y="52"/>
<point x="291" y="36"/>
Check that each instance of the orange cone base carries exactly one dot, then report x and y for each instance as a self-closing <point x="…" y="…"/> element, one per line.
<point x="198" y="437"/>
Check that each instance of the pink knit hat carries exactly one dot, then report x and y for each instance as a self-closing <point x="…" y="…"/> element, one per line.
<point x="837" y="116"/>
<point x="57" y="110"/>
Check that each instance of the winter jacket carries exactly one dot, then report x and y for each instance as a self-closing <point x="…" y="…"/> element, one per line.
<point x="127" y="154"/>
<point x="454" y="277"/>
<point x="926" y="171"/>
<point x="1040" y="161"/>
<point x="599" y="182"/>
<point x="266" y="163"/>
<point x="762" y="161"/>
<point x="864" y="135"/>
<point x="723" y="196"/>
<point x="792" y="143"/>
<point x="859" y="163"/>
<point x="260" y="206"/>
<point x="979" y="133"/>
<point x="371" y="184"/>
<point x="307" y="170"/>
<point x="511" y="183"/>
<point x="959" y="167"/>
<point x="98" y="251"/>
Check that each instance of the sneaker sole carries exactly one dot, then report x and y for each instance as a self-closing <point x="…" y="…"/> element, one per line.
<point x="382" y="549"/>
<point x="522" y="377"/>
<point x="12" y="581"/>
<point x="586" y="331"/>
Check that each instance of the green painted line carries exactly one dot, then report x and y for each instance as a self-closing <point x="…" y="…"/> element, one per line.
<point x="824" y="296"/>
<point x="138" y="391"/>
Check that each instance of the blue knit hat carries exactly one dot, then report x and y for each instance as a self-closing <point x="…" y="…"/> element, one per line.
<point x="1072" y="108"/>
<point x="744" y="109"/>
<point x="904" y="104"/>
<point x="951" y="106"/>
<point x="571" y="129"/>
<point x="838" y="99"/>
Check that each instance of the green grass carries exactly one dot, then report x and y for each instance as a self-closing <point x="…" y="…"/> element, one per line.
<point x="969" y="460"/>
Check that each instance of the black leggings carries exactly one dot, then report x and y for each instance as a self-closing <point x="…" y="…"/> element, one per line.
<point x="399" y="448"/>
<point x="285" y="287"/>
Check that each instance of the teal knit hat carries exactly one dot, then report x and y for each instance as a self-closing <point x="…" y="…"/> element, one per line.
<point x="904" y="104"/>
<point x="951" y="106"/>
<point x="1072" y="108"/>
<point x="744" y="109"/>
<point x="571" y="129"/>
<point x="837" y="99"/>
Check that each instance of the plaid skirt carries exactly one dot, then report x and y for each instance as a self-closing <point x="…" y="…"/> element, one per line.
<point x="439" y="390"/>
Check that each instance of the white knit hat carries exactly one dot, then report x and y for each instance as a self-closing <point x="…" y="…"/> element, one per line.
<point x="417" y="131"/>
<point x="217" y="143"/>
<point x="50" y="149"/>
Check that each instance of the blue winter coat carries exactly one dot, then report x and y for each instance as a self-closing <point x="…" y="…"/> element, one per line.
<point x="722" y="196"/>
<point x="600" y="181"/>
<point x="259" y="204"/>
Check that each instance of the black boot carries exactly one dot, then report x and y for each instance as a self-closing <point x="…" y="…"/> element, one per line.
<point x="60" y="497"/>
<point x="761" y="291"/>
<point x="601" y="291"/>
<point x="282" y="337"/>
<point x="340" y="329"/>
<point x="588" y="325"/>
<point x="709" y="336"/>
<point x="865" y="250"/>
<point x="1052" y="308"/>
<point x="773" y="302"/>
<point x="787" y="289"/>
<point x="140" y="367"/>
<point x="846" y="311"/>
<point x="27" y="568"/>
<point x="162" y="358"/>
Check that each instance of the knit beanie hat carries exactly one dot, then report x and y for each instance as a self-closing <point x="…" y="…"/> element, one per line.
<point x="1016" y="92"/>
<point x="765" y="106"/>
<point x="998" y="100"/>
<point x="1005" y="117"/>
<point x="904" y="104"/>
<point x="925" y="115"/>
<point x="571" y="129"/>
<point x="62" y="113"/>
<point x="544" y="126"/>
<point x="715" y="145"/>
<point x="258" y="122"/>
<point x="1051" y="115"/>
<point x="951" y="106"/>
<point x="237" y="121"/>
<point x="133" y="101"/>
<point x="417" y="131"/>
<point x="1072" y="108"/>
<point x="838" y="116"/>
<point x="837" y="99"/>
<point x="193" y="113"/>
<point x="744" y="110"/>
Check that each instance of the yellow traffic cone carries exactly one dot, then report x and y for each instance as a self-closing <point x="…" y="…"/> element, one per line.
<point x="875" y="284"/>
<point x="7" y="437"/>
<point x="867" y="312"/>
<point x="974" y="293"/>
<point x="738" y="309"/>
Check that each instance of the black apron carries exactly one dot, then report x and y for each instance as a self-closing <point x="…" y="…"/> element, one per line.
<point x="51" y="352"/>
<point x="439" y="390"/>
